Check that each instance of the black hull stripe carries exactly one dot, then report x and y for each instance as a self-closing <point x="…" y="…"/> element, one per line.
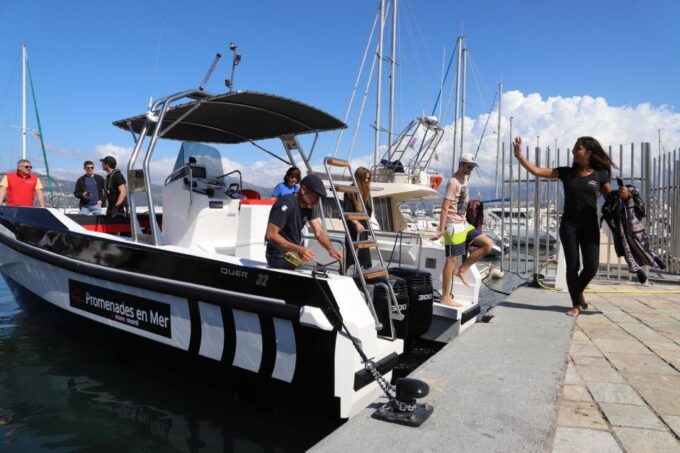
<point x="268" y="346"/>
<point x="229" y="336"/>
<point x="195" y="319"/>
<point x="471" y="313"/>
<point x="165" y="286"/>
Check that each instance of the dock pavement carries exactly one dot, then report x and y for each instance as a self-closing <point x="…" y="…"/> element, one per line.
<point x="533" y="379"/>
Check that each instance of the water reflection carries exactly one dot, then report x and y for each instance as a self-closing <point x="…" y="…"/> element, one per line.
<point x="63" y="394"/>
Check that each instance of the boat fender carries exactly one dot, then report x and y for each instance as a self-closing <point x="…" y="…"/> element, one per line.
<point x="435" y="181"/>
<point x="496" y="273"/>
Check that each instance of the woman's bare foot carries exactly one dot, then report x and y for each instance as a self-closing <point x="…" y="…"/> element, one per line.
<point x="582" y="302"/>
<point x="448" y="301"/>
<point x="459" y="273"/>
<point x="573" y="311"/>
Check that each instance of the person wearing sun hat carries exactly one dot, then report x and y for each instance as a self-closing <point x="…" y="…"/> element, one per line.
<point x="458" y="233"/>
<point x="288" y="217"/>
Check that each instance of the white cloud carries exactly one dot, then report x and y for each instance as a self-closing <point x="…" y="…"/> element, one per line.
<point x="555" y="118"/>
<point x="563" y="120"/>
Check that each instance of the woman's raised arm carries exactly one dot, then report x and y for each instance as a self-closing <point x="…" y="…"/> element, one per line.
<point x="530" y="166"/>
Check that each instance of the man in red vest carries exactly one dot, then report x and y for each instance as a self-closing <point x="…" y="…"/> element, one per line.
<point x="21" y="186"/>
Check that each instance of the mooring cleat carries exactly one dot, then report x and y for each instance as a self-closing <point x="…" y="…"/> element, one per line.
<point x="389" y="413"/>
<point x="403" y="409"/>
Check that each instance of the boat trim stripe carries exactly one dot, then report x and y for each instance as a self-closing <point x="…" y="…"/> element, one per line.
<point x="269" y="341"/>
<point x="212" y="331"/>
<point x="248" y="341"/>
<point x="286" y="355"/>
<point x="229" y="349"/>
<point x="196" y="330"/>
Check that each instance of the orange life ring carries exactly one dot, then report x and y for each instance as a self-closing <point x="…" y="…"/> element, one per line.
<point x="435" y="181"/>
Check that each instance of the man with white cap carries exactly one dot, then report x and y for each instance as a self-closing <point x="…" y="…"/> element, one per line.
<point x="458" y="234"/>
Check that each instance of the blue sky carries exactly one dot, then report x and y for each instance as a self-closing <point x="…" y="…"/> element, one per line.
<point x="94" y="62"/>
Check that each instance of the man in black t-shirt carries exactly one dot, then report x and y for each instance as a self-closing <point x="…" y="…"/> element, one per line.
<point x="288" y="216"/>
<point x="115" y="188"/>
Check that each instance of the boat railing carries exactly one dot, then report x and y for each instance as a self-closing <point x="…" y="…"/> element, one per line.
<point x="339" y="242"/>
<point x="58" y="196"/>
<point x="398" y="240"/>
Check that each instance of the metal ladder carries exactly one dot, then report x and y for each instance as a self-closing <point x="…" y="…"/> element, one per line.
<point x="371" y="242"/>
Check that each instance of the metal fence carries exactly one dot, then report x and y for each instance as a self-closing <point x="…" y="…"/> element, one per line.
<point x="531" y="209"/>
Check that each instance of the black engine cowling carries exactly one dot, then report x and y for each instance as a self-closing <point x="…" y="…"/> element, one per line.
<point x="381" y="302"/>
<point x="420" y="299"/>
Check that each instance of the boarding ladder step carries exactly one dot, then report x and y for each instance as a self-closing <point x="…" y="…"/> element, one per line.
<point x="374" y="273"/>
<point x="369" y="241"/>
<point x="365" y="244"/>
<point x="347" y="189"/>
<point x="335" y="162"/>
<point x="356" y="216"/>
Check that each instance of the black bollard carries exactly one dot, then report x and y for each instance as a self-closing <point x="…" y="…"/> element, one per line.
<point x="406" y="411"/>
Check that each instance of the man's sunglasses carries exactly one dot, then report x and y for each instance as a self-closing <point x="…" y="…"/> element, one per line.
<point x="89" y="167"/>
<point x="27" y="166"/>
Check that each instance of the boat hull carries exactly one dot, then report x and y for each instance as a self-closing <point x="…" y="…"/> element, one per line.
<point x="242" y="337"/>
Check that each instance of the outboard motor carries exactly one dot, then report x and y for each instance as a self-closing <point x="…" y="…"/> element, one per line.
<point x="420" y="296"/>
<point x="382" y="304"/>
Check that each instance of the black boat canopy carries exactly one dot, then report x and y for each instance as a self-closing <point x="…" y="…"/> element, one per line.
<point x="239" y="117"/>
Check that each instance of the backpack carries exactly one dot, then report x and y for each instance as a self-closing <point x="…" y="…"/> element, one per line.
<point x="474" y="214"/>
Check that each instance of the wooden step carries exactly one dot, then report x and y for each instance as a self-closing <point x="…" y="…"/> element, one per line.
<point x="365" y="244"/>
<point x="347" y="189"/>
<point x="356" y="216"/>
<point x="336" y="162"/>
<point x="375" y="273"/>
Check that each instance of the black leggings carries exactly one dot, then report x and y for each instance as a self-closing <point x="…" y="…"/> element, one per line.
<point x="586" y="235"/>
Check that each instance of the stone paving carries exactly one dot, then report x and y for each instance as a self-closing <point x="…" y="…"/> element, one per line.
<point x="621" y="391"/>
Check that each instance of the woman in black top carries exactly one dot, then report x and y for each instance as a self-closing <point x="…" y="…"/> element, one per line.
<point x="588" y="176"/>
<point x="352" y="203"/>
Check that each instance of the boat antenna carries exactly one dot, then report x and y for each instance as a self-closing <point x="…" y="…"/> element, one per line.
<point x="234" y="62"/>
<point x="210" y="71"/>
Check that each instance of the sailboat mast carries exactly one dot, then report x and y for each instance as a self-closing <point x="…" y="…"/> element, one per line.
<point x="498" y="135"/>
<point x="376" y="157"/>
<point x="462" y="103"/>
<point x="392" y="74"/>
<point x="23" y="100"/>
<point x="459" y="45"/>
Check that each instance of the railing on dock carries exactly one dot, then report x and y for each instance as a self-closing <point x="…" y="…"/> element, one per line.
<point x="531" y="209"/>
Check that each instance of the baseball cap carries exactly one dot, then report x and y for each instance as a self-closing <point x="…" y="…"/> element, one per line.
<point x="315" y="184"/>
<point x="109" y="160"/>
<point x="467" y="158"/>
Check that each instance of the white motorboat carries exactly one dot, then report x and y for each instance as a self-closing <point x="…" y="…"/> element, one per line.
<point x="192" y="290"/>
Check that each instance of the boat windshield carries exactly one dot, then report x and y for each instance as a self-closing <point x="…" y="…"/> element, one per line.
<point x="205" y="155"/>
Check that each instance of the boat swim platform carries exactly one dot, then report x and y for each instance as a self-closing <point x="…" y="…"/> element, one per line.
<point x="507" y="384"/>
